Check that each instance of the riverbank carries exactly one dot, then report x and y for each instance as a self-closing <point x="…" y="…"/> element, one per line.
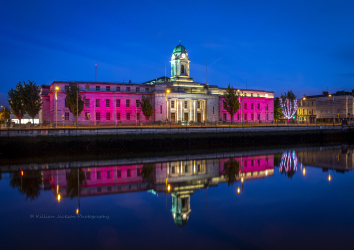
<point x="151" y="142"/>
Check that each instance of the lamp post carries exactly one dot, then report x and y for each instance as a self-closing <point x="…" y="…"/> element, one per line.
<point x="56" y="105"/>
<point x="77" y="105"/>
<point x="167" y="114"/>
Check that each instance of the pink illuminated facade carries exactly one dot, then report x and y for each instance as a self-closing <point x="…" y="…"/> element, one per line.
<point x="175" y="99"/>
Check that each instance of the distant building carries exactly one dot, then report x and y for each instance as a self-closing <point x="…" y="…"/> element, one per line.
<point x="176" y="99"/>
<point x="25" y="119"/>
<point x="326" y="107"/>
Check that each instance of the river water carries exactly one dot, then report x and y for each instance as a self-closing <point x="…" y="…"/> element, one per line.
<point x="281" y="198"/>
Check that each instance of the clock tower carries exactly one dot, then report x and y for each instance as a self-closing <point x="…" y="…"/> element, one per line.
<point x="180" y="64"/>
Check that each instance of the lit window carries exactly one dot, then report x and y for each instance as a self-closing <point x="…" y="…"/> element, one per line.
<point x="87" y="116"/>
<point x="172" y="104"/>
<point x="198" y="104"/>
<point x="251" y="94"/>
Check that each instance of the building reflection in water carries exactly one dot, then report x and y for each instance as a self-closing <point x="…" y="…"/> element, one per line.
<point x="179" y="178"/>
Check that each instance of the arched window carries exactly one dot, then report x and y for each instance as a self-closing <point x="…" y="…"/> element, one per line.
<point x="182" y="69"/>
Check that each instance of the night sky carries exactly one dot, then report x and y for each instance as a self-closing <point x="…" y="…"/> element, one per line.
<point x="304" y="46"/>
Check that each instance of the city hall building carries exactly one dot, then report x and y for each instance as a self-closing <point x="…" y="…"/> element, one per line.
<point x="175" y="99"/>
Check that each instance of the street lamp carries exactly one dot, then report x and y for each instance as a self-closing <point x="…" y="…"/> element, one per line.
<point x="167" y="115"/>
<point x="56" y="105"/>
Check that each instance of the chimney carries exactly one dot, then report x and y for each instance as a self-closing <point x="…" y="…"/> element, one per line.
<point x="325" y="93"/>
<point x="130" y="81"/>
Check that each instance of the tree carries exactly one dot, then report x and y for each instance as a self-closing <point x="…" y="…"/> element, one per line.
<point x="75" y="180"/>
<point x="231" y="170"/>
<point x="231" y="102"/>
<point x="288" y="104"/>
<point x="32" y="102"/>
<point x="147" y="107"/>
<point x="4" y="114"/>
<point x="71" y="100"/>
<point x="16" y="101"/>
<point x="277" y="110"/>
<point x="29" y="184"/>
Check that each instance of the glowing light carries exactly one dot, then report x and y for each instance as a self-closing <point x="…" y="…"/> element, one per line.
<point x="168" y="91"/>
<point x="242" y="179"/>
<point x="59" y="197"/>
<point x="266" y="95"/>
<point x="304" y="98"/>
<point x="184" y="216"/>
<point x="168" y="187"/>
<point x="22" y="173"/>
<point x="288" y="108"/>
<point x="57" y="188"/>
<point x="329" y="95"/>
<point x="238" y="190"/>
<point x="77" y="211"/>
<point x="266" y="172"/>
<point x="238" y="90"/>
<point x="174" y="215"/>
<point x="56" y="88"/>
<point x="329" y="178"/>
<point x="303" y="171"/>
<point x="288" y="162"/>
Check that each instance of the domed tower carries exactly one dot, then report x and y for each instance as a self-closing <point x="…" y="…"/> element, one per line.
<point x="180" y="64"/>
<point x="181" y="208"/>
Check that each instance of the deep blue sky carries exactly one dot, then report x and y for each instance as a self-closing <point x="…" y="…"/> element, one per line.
<point x="304" y="46"/>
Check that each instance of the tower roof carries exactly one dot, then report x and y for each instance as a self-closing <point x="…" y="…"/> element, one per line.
<point x="179" y="49"/>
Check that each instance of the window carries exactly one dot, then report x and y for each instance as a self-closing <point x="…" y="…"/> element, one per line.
<point x="258" y="95"/>
<point x="245" y="164"/>
<point x="87" y="88"/>
<point x="108" y="116"/>
<point x="251" y="163"/>
<point x="138" y="172"/>
<point x="312" y="103"/>
<point x="245" y="106"/>
<point x="87" y="103"/>
<point x="245" y="94"/>
<point x="251" y="94"/>
<point x="198" y="104"/>
<point x="119" y="173"/>
<point x="182" y="69"/>
<point x="185" y="168"/>
<point x="267" y="107"/>
<point x="258" y="162"/>
<point x="98" y="175"/>
<point x="127" y="103"/>
<point x="107" y="103"/>
<point x="258" y="117"/>
<point x="87" y="116"/>
<point x="185" y="104"/>
<point x="213" y="109"/>
<point x="251" y="106"/>
<point x="198" y="168"/>
<point x="108" y="174"/>
<point x="258" y="106"/>
<point x="117" y="103"/>
<point x="312" y="112"/>
<point x="173" y="170"/>
<point x="146" y="89"/>
<point x="137" y="102"/>
<point x="66" y="116"/>
<point x="98" y="116"/>
<point x="252" y="117"/>
<point x="99" y="189"/>
<point x="128" y="172"/>
<point x="66" y="103"/>
<point x="224" y="117"/>
<point x="97" y="103"/>
<point x="137" y="116"/>
<point x="267" y="117"/>
<point x="128" y="89"/>
<point x="108" y="88"/>
<point x="160" y="109"/>
<point x="172" y="104"/>
<point x="117" y="88"/>
<point x="238" y="116"/>
<point x="118" y="116"/>
<point x="109" y="188"/>
<point x="137" y="89"/>
<point x="88" y="175"/>
<point x="97" y="88"/>
<point x="128" y="116"/>
<point x="245" y="117"/>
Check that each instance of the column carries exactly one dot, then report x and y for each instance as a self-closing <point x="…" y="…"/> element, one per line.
<point x="182" y="103"/>
<point x="176" y="109"/>
<point x="167" y="111"/>
<point x="194" y="111"/>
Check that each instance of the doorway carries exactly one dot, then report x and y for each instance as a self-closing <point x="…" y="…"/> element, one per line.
<point x="186" y="117"/>
<point x="173" y="117"/>
<point x="199" y="117"/>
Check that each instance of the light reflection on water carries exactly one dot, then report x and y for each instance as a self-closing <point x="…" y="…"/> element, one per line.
<point x="256" y="199"/>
